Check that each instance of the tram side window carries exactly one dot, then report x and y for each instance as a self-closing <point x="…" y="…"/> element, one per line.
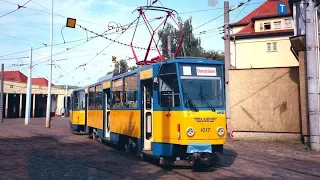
<point x="91" y="98"/>
<point x="82" y="100"/>
<point x="117" y="93"/>
<point x="130" y="91"/>
<point x="169" y="89"/>
<point x="76" y="101"/>
<point x="98" y="97"/>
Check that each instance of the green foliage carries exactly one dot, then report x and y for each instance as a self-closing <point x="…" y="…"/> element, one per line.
<point x="133" y="67"/>
<point x="122" y="64"/>
<point x="216" y="55"/>
<point x="123" y="68"/>
<point x="191" y="45"/>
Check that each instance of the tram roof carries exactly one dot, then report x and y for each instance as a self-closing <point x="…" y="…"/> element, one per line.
<point x="191" y="60"/>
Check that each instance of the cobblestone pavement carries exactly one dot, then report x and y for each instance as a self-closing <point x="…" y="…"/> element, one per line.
<point x="36" y="152"/>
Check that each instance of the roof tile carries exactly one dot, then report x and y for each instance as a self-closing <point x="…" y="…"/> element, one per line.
<point x="40" y="82"/>
<point x="267" y="8"/>
<point x="15" y="76"/>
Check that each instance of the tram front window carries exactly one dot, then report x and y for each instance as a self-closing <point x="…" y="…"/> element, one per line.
<point x="202" y="92"/>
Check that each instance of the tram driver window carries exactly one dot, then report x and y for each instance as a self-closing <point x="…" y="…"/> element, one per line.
<point x="169" y="90"/>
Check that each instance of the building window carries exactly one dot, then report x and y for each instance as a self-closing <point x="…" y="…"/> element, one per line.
<point x="267" y="26"/>
<point x="287" y="23"/>
<point x="269" y="46"/>
<point x="277" y="25"/>
<point x="274" y="46"/>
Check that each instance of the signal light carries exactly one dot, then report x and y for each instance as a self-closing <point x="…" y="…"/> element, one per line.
<point x="71" y="23"/>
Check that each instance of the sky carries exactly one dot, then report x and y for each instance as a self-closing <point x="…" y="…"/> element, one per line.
<point x="79" y="60"/>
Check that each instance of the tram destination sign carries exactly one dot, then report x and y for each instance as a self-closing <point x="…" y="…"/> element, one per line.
<point x="206" y="71"/>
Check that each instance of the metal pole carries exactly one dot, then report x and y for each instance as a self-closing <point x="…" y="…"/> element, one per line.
<point x="169" y="46"/>
<point x="296" y="23"/>
<point x="1" y="92"/>
<point x="48" y="114"/>
<point x="227" y="55"/>
<point x="119" y="66"/>
<point x="302" y="17"/>
<point x="312" y="73"/>
<point x="66" y="103"/>
<point x="28" y="100"/>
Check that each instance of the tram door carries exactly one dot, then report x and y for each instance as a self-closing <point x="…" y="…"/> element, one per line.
<point x="147" y="115"/>
<point x="107" y="114"/>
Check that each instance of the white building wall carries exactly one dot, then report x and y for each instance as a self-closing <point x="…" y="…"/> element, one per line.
<point x="60" y="104"/>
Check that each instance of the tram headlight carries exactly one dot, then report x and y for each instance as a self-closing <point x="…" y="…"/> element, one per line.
<point x="190" y="132"/>
<point x="220" y="131"/>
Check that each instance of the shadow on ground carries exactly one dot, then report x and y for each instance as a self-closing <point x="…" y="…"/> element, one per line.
<point x="48" y="158"/>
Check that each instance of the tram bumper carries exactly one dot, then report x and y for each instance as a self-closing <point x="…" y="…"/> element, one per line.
<point x="197" y="153"/>
<point x="200" y="153"/>
<point x="199" y="148"/>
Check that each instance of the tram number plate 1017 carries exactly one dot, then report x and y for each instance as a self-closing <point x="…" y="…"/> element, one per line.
<point x="205" y="129"/>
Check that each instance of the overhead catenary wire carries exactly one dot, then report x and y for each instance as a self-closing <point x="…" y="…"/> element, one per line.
<point x="63" y="16"/>
<point x="213" y="9"/>
<point x="69" y="51"/>
<point x="236" y="7"/>
<point x="247" y="3"/>
<point x="19" y="7"/>
<point x="86" y="63"/>
<point x="62" y="43"/>
<point x="220" y="28"/>
<point x="108" y="68"/>
<point x="97" y="35"/>
<point x="113" y="40"/>
<point x="20" y="38"/>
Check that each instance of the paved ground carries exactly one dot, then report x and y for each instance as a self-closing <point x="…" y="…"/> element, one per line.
<point x="35" y="152"/>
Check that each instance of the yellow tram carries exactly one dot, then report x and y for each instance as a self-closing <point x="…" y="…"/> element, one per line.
<point x="173" y="110"/>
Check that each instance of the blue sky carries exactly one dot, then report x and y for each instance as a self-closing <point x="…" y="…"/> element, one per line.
<point x="30" y="27"/>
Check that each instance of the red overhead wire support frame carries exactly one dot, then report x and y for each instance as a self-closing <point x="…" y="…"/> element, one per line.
<point x="142" y="13"/>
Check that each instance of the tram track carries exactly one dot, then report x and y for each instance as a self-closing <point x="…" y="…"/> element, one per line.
<point x="257" y="159"/>
<point x="261" y="159"/>
<point x="265" y="162"/>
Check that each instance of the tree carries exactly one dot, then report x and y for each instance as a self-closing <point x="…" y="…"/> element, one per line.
<point x="122" y="64"/>
<point x="215" y="55"/>
<point x="133" y="68"/>
<point x="191" y="44"/>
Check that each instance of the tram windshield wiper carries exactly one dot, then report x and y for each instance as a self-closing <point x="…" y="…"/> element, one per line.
<point x="191" y="104"/>
<point x="204" y="99"/>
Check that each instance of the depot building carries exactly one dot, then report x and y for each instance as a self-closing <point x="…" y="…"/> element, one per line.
<point x="14" y="96"/>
